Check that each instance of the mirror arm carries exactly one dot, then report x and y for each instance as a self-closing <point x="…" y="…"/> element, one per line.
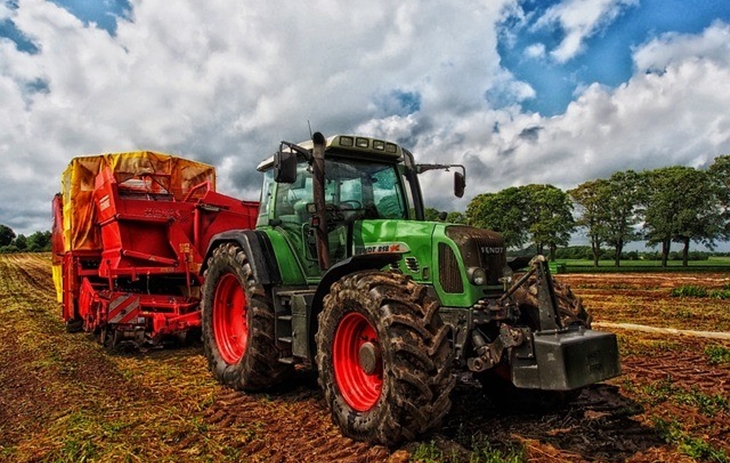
<point x="297" y="149"/>
<point x="420" y="168"/>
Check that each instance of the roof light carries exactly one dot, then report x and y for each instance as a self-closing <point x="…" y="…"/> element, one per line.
<point x="362" y="142"/>
<point x="346" y="141"/>
<point x="378" y="145"/>
<point x="391" y="148"/>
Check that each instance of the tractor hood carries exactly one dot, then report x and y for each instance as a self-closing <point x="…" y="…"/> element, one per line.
<point x="446" y="256"/>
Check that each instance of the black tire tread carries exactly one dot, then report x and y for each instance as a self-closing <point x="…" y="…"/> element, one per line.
<point x="417" y="357"/>
<point x="259" y="368"/>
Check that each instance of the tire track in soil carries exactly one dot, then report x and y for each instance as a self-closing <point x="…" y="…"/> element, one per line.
<point x="685" y="373"/>
<point x="296" y="426"/>
<point x="37" y="379"/>
<point x="47" y="373"/>
<point x="289" y="426"/>
<point x="598" y="425"/>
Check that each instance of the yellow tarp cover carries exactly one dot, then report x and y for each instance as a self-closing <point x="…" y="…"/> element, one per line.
<point x="77" y="183"/>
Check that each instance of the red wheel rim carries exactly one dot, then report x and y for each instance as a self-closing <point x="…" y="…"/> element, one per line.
<point x="229" y="319"/>
<point x="359" y="388"/>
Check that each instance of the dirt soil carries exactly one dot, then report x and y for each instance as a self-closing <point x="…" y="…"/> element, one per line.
<point x="63" y="398"/>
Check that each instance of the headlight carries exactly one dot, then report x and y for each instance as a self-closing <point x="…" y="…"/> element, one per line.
<point x="477" y="276"/>
<point x="506" y="278"/>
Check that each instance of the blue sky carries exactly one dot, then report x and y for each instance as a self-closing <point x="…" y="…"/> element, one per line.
<point x="520" y="92"/>
<point x="606" y="57"/>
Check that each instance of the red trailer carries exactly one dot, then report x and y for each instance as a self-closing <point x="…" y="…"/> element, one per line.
<point x="129" y="235"/>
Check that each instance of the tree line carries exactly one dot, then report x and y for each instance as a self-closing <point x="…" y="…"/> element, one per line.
<point x="10" y="242"/>
<point x="668" y="205"/>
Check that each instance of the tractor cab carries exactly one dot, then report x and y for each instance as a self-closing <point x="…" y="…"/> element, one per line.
<point x="362" y="179"/>
<point x="365" y="179"/>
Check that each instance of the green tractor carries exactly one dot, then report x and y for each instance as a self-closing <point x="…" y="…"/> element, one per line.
<point x="343" y="274"/>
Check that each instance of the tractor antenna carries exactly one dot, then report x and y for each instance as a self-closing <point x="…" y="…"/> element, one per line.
<point x="310" y="128"/>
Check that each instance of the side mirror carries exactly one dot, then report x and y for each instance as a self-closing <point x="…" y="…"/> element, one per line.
<point x="285" y="167"/>
<point x="459" y="184"/>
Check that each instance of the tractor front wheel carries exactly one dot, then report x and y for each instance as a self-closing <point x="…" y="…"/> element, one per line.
<point x="570" y="306"/>
<point x="384" y="358"/>
<point x="238" y="323"/>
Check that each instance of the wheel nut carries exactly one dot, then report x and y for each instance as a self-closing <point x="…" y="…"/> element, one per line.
<point x="369" y="356"/>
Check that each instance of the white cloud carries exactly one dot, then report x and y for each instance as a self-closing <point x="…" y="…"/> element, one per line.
<point x="224" y="83"/>
<point x="713" y="44"/>
<point x="535" y="51"/>
<point x="579" y="20"/>
<point x="674" y="117"/>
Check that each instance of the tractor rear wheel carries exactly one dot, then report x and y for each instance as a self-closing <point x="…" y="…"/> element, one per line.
<point x="238" y="324"/>
<point x="384" y="358"/>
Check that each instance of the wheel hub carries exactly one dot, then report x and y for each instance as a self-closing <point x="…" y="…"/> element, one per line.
<point x="369" y="356"/>
<point x="357" y="362"/>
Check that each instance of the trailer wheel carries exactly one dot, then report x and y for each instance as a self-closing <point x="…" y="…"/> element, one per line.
<point x="570" y="306"/>
<point x="238" y="324"/>
<point x="384" y="358"/>
<point x="74" y="326"/>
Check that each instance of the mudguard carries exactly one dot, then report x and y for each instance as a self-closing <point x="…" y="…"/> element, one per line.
<point x="258" y="250"/>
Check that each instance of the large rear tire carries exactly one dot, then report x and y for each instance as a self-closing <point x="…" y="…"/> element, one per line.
<point x="384" y="358"/>
<point x="238" y="324"/>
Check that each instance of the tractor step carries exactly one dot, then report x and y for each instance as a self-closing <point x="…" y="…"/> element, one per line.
<point x="288" y="360"/>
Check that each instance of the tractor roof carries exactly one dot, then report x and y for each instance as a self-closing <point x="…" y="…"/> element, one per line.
<point x="361" y="147"/>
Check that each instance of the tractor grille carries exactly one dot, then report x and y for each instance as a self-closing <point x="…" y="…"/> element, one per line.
<point x="449" y="273"/>
<point x="480" y="248"/>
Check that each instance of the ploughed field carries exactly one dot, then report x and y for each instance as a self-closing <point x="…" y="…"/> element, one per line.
<point x="63" y="398"/>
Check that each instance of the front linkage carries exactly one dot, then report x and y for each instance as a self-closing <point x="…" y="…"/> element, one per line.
<point x="548" y="345"/>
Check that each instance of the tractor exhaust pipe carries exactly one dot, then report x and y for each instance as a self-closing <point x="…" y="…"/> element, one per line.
<point x="320" y="216"/>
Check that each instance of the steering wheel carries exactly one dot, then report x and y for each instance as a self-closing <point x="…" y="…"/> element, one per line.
<point x="334" y="213"/>
<point x="350" y="204"/>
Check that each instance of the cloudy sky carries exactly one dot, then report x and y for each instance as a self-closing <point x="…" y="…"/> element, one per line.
<point x="520" y="92"/>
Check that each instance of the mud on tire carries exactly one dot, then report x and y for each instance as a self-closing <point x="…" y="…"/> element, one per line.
<point x="238" y="324"/>
<point x="405" y="393"/>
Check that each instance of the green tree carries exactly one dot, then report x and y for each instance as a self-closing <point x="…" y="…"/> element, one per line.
<point x="21" y="242"/>
<point x="623" y="198"/>
<point x="681" y="206"/>
<point x="541" y="214"/>
<point x="502" y="212"/>
<point x="456" y="217"/>
<point x="590" y="197"/>
<point x="719" y="173"/>
<point x="6" y="235"/>
<point x="431" y="214"/>
<point x="39" y="241"/>
<point x="549" y="217"/>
